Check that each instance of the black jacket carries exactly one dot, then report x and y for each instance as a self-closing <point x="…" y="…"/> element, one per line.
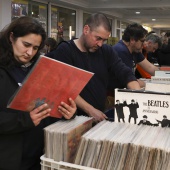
<point x="21" y="143"/>
<point x="164" y="55"/>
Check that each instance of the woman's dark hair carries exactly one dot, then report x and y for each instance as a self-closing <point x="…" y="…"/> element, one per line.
<point x="134" y="31"/>
<point x="19" y="27"/>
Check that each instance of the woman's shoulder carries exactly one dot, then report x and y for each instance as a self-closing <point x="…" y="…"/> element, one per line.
<point x="3" y="70"/>
<point x="4" y="73"/>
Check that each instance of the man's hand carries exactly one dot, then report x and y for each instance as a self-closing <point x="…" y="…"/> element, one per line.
<point x="97" y="115"/>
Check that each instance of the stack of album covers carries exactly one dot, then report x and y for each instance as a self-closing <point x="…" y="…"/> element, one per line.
<point x="125" y="146"/>
<point x="62" y="138"/>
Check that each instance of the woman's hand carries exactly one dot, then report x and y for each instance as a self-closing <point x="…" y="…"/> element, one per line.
<point x="40" y="113"/>
<point x="67" y="110"/>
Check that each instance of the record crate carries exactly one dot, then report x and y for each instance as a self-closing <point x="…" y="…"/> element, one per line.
<point x="50" y="164"/>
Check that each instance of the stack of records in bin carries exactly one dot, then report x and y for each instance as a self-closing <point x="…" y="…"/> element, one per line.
<point x="62" y="138"/>
<point x="125" y="146"/>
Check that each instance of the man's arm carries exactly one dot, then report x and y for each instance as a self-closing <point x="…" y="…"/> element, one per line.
<point x="141" y="83"/>
<point x="148" y="67"/>
<point x="89" y="109"/>
<point x="133" y="85"/>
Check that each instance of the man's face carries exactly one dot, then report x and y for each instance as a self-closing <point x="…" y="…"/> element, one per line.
<point x="144" y="119"/>
<point x="137" y="45"/>
<point x="118" y="102"/>
<point x="133" y="102"/>
<point x="151" y="47"/>
<point x="94" y="39"/>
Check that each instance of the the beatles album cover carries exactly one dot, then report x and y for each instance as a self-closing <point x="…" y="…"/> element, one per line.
<point x="142" y="107"/>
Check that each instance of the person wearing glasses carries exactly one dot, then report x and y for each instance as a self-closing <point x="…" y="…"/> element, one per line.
<point x="129" y="49"/>
<point x="150" y="45"/>
<point x="89" y="52"/>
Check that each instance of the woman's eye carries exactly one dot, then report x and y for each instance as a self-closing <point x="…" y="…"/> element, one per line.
<point x="26" y="45"/>
<point x="35" y="48"/>
<point x="29" y="45"/>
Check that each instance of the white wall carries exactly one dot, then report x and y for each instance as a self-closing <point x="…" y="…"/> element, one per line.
<point x="114" y="25"/>
<point x="5" y="13"/>
<point x="157" y="31"/>
<point x="79" y="23"/>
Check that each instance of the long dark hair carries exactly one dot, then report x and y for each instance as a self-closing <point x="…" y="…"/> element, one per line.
<point x="19" y="27"/>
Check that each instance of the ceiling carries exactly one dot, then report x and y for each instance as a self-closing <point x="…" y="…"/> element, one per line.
<point x="125" y="9"/>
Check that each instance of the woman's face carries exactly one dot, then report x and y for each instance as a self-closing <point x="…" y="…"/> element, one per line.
<point x="25" y="47"/>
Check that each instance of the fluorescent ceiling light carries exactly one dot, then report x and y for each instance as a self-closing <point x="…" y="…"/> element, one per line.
<point x="153" y="19"/>
<point x="137" y="12"/>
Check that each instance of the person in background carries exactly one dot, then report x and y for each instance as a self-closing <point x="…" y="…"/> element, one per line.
<point x="152" y="56"/>
<point x="166" y="38"/>
<point x="164" y="52"/>
<point x="90" y="53"/>
<point x="50" y="45"/>
<point x="150" y="45"/>
<point x="162" y="35"/>
<point x="129" y="50"/>
<point x="21" y="133"/>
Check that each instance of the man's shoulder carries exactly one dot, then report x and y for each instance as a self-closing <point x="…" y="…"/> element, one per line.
<point x="119" y="44"/>
<point x="108" y="48"/>
<point x="120" y="47"/>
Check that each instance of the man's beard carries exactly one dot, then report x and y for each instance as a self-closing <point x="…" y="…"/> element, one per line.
<point x="137" y="50"/>
<point x="90" y="49"/>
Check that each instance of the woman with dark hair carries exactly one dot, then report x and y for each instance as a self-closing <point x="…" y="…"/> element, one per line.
<point x="21" y="133"/>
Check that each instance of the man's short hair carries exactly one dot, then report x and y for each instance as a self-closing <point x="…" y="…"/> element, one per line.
<point x="98" y="19"/>
<point x="135" y="31"/>
<point x="154" y="38"/>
